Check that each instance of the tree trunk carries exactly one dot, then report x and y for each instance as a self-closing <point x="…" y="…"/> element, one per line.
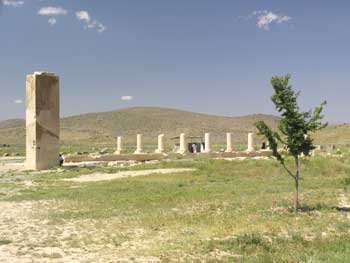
<point x="296" y="194"/>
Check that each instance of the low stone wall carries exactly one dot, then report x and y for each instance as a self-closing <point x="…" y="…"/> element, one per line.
<point x="155" y="156"/>
<point x="113" y="158"/>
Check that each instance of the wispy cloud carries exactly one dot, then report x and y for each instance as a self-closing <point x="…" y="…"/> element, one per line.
<point x="13" y="3"/>
<point x="52" y="21"/>
<point x="265" y="18"/>
<point x="18" y="101"/>
<point x="85" y="17"/>
<point x="52" y="11"/>
<point x="126" y="98"/>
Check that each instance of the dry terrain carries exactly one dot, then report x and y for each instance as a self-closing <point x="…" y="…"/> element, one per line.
<point x="208" y="211"/>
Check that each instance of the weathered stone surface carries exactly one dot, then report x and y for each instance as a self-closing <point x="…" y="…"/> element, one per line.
<point x="119" y="146"/>
<point x="207" y="148"/>
<point x="42" y="121"/>
<point x="160" y="148"/>
<point x="152" y="157"/>
<point x="139" y="147"/>
<point x="114" y="157"/>
<point x="228" y="142"/>
<point x="250" y="142"/>
<point x="182" y="149"/>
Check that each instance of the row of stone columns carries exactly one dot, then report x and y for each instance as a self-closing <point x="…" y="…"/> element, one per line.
<point x="183" y="148"/>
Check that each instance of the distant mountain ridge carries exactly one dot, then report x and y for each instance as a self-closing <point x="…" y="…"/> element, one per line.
<point x="104" y="127"/>
<point x="14" y="123"/>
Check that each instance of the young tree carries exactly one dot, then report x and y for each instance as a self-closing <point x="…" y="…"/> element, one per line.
<point x="294" y="128"/>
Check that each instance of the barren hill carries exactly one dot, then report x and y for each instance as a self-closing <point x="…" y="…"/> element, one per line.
<point x="105" y="126"/>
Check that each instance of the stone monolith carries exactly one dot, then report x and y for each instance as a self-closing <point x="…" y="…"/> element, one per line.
<point x="42" y="121"/>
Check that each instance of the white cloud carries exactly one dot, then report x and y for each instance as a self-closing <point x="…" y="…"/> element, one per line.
<point x="85" y="17"/>
<point x="52" y="21"/>
<point x="13" y="3"/>
<point x="18" y="101"/>
<point x="52" y="11"/>
<point x="266" y="18"/>
<point x="127" y="98"/>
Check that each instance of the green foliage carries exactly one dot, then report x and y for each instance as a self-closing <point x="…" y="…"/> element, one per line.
<point x="346" y="183"/>
<point x="295" y="126"/>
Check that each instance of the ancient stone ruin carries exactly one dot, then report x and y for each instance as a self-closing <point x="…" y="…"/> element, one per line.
<point x="42" y="121"/>
<point x="43" y="133"/>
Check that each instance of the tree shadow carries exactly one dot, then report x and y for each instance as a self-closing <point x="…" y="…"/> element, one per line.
<point x="319" y="207"/>
<point x="342" y="209"/>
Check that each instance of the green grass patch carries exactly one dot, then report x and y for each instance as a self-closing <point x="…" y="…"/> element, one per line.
<point x="225" y="211"/>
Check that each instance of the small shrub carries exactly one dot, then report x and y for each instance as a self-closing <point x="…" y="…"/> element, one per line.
<point x="346" y="183"/>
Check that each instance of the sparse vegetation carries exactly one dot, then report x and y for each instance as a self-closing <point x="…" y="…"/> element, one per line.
<point x="103" y="128"/>
<point x="224" y="212"/>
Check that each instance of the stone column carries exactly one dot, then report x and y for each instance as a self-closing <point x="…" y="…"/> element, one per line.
<point x="228" y="142"/>
<point x="160" y="144"/>
<point x="250" y="142"/>
<point x="182" y="148"/>
<point x="42" y="121"/>
<point x="207" y="146"/>
<point x="139" y="149"/>
<point x="119" y="145"/>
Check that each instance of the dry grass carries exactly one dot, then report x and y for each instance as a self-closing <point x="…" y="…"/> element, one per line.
<point x="235" y="211"/>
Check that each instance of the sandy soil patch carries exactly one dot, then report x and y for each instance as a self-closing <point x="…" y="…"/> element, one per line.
<point x="11" y="167"/>
<point x="104" y="177"/>
<point x="344" y="202"/>
<point x="28" y="236"/>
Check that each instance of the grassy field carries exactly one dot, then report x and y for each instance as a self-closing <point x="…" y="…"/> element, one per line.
<point x="237" y="211"/>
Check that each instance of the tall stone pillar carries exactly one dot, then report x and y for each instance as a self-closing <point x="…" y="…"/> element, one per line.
<point x="139" y="149"/>
<point x="119" y="145"/>
<point x="42" y="121"/>
<point x="182" y="148"/>
<point x="160" y="144"/>
<point x="207" y="146"/>
<point x="228" y="142"/>
<point x="250" y="142"/>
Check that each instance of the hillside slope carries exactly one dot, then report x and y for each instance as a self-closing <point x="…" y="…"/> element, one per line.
<point x="103" y="127"/>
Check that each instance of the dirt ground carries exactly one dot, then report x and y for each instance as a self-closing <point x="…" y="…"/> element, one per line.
<point x="104" y="176"/>
<point x="28" y="235"/>
<point x="32" y="238"/>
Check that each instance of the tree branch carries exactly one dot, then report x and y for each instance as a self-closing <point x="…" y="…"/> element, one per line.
<point x="288" y="171"/>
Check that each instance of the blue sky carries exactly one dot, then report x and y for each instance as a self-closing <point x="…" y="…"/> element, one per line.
<point x="206" y="56"/>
